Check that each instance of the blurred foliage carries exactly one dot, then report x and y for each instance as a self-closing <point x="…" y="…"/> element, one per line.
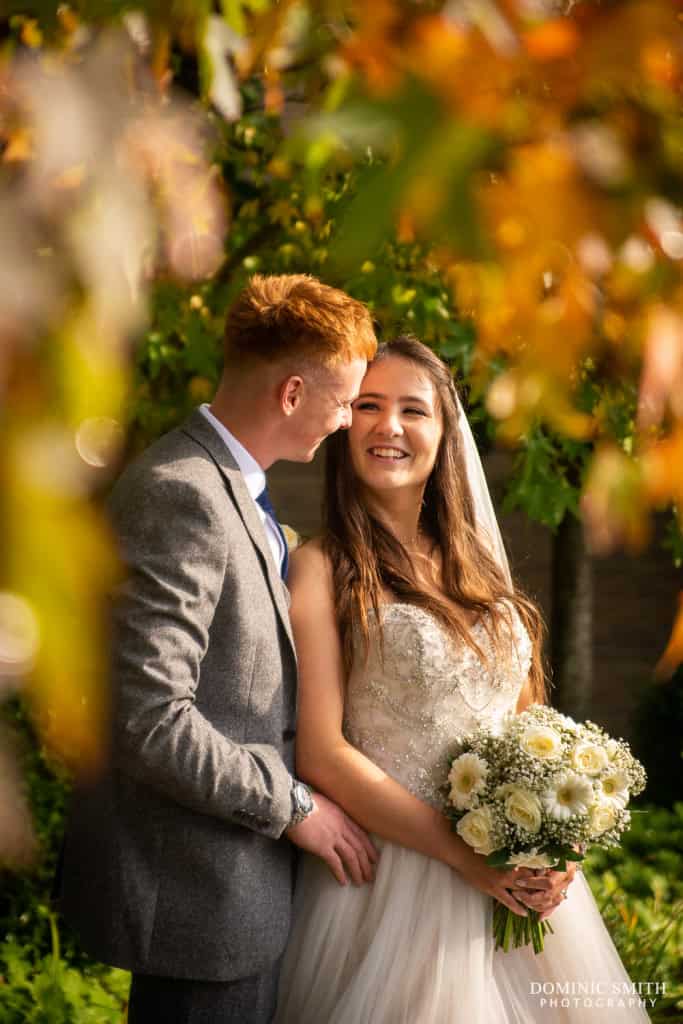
<point x="274" y="231"/>
<point x="674" y="542"/>
<point x="501" y="178"/>
<point x="639" y="890"/>
<point x="25" y="895"/>
<point x="535" y="152"/>
<point x="45" y="977"/>
<point x="49" y="990"/>
<point x="104" y="183"/>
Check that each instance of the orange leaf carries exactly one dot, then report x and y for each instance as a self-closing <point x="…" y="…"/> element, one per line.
<point x="551" y="40"/>
<point x="663" y="469"/>
<point x="18" y="147"/>
<point x="405" y="229"/>
<point x="673" y="655"/>
<point x="161" y="54"/>
<point x="659" y="62"/>
<point x="661" y="381"/>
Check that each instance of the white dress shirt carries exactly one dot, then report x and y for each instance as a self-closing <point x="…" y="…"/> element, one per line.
<point x="254" y="478"/>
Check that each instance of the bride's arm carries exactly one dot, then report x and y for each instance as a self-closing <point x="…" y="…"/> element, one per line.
<point x="326" y="760"/>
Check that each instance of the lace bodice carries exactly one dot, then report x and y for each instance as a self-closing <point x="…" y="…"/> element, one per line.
<point x="405" y="712"/>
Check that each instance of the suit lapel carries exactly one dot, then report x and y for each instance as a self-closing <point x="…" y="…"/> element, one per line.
<point x="199" y="429"/>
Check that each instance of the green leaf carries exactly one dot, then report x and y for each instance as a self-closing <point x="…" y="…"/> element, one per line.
<point x="498" y="859"/>
<point x="673" y="540"/>
<point x="234" y="15"/>
<point x="431" y="152"/>
<point x="546" y="478"/>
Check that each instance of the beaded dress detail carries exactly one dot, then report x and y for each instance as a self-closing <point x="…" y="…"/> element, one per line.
<point x="405" y="710"/>
<point x="415" y="946"/>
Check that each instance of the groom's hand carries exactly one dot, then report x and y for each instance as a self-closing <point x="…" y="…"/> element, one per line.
<point x="331" y="835"/>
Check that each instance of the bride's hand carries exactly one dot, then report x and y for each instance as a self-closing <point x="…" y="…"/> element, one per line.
<point x="543" y="891"/>
<point x="494" y="882"/>
<point x="333" y="836"/>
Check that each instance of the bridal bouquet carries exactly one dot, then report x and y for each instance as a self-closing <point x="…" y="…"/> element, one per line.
<point x="536" y="794"/>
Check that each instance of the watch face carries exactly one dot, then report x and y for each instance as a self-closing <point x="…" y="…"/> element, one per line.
<point x="303" y="798"/>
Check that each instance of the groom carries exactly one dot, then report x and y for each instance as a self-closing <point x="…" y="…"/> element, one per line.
<point x="178" y="863"/>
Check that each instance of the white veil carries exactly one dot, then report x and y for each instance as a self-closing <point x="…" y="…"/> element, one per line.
<point x="485" y="514"/>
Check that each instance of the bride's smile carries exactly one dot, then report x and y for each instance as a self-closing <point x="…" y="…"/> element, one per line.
<point x="410" y="632"/>
<point x="397" y="426"/>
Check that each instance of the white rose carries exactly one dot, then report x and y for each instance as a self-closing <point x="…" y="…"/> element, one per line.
<point x="476" y="828"/>
<point x="532" y="859"/>
<point x="542" y="742"/>
<point x="467" y="778"/>
<point x="589" y="758"/>
<point x="523" y="808"/>
<point x="612" y="748"/>
<point x="603" y="816"/>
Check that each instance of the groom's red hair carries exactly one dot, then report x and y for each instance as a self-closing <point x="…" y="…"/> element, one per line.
<point x="281" y="316"/>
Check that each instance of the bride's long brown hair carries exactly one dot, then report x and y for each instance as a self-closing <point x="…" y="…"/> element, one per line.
<point x="368" y="559"/>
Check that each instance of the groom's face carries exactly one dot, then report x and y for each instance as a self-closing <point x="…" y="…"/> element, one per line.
<point x="325" y="408"/>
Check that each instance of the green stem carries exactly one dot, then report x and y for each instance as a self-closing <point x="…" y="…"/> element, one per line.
<point x="54" y="935"/>
<point x="510" y="931"/>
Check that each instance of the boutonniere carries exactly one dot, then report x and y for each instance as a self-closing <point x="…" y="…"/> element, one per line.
<point x="292" y="538"/>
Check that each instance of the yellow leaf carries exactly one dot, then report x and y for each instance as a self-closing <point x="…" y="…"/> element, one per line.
<point x="60" y="558"/>
<point x="31" y="35"/>
<point x="613" y="502"/>
<point x="201" y="389"/>
<point x="19" y="147"/>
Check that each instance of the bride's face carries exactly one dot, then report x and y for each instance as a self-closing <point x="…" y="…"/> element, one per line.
<point x="396" y="427"/>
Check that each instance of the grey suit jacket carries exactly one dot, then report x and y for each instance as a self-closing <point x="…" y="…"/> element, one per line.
<point x="173" y="862"/>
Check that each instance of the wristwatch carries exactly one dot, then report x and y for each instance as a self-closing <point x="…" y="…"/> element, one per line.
<point x="302" y="802"/>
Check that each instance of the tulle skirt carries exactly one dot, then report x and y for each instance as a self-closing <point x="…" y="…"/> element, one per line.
<point x="415" y="947"/>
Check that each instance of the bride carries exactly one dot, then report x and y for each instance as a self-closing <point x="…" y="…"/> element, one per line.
<point x="409" y="633"/>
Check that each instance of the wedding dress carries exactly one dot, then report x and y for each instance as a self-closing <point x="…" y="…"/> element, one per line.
<point x="416" y="946"/>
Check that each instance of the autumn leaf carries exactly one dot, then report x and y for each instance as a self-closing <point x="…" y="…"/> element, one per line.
<point x="673" y="655"/>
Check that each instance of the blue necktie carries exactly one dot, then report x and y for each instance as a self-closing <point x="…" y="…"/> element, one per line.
<point x="264" y="501"/>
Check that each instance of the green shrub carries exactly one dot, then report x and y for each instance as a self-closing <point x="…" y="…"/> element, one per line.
<point x="25" y="895"/>
<point x="45" y="977"/>
<point x="639" y="890"/>
<point x="48" y="990"/>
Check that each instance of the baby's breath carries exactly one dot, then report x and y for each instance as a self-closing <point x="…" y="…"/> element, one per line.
<point x="509" y="762"/>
